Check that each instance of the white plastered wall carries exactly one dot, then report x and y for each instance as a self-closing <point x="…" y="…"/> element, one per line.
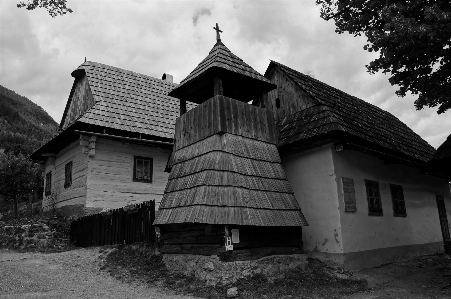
<point x="312" y="176"/>
<point x="362" y="232"/>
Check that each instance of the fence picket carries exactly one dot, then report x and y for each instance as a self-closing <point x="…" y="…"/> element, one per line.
<point x="120" y="227"/>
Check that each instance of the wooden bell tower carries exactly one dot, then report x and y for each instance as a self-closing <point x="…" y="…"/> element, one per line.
<point x="227" y="192"/>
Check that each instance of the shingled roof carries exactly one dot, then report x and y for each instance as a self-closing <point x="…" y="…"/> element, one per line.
<point x="129" y="101"/>
<point x="338" y="111"/>
<point x="221" y="56"/>
<point x="222" y="60"/>
<point x="444" y="150"/>
<point x="227" y="170"/>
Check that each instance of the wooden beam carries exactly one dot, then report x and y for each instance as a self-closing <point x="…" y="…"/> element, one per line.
<point x="217" y="82"/>
<point x="123" y="137"/>
<point x="182" y="107"/>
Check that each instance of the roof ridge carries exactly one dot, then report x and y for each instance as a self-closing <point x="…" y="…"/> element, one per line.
<point x="89" y="63"/>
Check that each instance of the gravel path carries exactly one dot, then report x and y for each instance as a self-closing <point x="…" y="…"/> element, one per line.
<point x="71" y="274"/>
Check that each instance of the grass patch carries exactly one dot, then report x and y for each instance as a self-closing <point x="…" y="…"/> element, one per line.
<point x="315" y="281"/>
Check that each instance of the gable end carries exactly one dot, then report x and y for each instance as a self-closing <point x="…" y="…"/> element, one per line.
<point x="80" y="100"/>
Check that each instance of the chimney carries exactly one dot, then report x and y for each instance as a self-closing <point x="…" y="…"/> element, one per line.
<point x="167" y="78"/>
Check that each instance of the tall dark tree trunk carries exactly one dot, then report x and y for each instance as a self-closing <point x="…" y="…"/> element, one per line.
<point x="16" y="212"/>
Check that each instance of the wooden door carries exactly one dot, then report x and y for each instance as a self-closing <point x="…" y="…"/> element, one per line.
<point x="444" y="223"/>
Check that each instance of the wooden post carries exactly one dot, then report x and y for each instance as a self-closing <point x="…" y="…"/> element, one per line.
<point x="217" y="82"/>
<point x="182" y="107"/>
<point x="152" y="219"/>
<point x="264" y="100"/>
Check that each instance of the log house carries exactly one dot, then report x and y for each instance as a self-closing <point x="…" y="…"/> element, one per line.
<point x="114" y="120"/>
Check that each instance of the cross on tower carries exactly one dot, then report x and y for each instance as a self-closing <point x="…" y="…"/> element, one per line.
<point x="218" y="37"/>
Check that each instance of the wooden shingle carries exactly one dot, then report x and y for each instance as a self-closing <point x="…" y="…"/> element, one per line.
<point x="226" y="172"/>
<point x="129" y="101"/>
<point x="337" y="111"/>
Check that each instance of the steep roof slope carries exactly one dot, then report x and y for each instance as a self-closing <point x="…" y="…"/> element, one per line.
<point x="221" y="56"/>
<point x="129" y="101"/>
<point x="444" y="150"/>
<point x="240" y="80"/>
<point x="339" y="111"/>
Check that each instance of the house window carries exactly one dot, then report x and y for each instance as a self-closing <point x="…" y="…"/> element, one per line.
<point x="48" y="183"/>
<point x="399" y="205"/>
<point x="143" y="169"/>
<point x="277" y="103"/>
<point x="68" y="175"/>
<point x="374" y="198"/>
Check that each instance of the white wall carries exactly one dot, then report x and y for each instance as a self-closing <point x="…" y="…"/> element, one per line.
<point x="312" y="176"/>
<point x="363" y="232"/>
<point x="110" y="175"/>
<point x="75" y="194"/>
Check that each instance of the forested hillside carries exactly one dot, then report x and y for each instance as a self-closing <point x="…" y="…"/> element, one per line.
<point x="24" y="126"/>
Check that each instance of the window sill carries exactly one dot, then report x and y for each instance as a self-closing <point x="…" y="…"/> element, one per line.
<point x="375" y="214"/>
<point x="142" y="181"/>
<point x="399" y="215"/>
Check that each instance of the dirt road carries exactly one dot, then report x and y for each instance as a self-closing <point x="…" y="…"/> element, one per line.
<point x="76" y="274"/>
<point x="417" y="278"/>
<point x="71" y="274"/>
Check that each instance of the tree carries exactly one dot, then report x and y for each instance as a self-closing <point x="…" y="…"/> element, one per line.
<point x="413" y="39"/>
<point x="54" y="7"/>
<point x="18" y="177"/>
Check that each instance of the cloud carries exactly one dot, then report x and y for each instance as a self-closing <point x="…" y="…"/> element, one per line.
<point x="199" y="13"/>
<point x="38" y="53"/>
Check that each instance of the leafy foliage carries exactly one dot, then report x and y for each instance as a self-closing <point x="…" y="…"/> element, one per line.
<point x="19" y="176"/>
<point x="24" y="126"/>
<point x="413" y="39"/>
<point x="54" y="7"/>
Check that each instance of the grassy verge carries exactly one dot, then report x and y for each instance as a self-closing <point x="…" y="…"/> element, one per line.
<point x="316" y="281"/>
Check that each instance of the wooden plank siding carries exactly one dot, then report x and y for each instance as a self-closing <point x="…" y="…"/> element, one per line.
<point x="75" y="194"/>
<point x="110" y="177"/>
<point x="292" y="98"/>
<point x="224" y="115"/>
<point x="80" y="100"/>
<point x="230" y="174"/>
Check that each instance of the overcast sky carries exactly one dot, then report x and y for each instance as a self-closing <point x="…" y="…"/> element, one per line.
<point x="38" y="53"/>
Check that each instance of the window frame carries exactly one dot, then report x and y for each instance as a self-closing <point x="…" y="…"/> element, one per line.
<point x="68" y="174"/>
<point x="369" y="184"/>
<point x="393" y="188"/>
<point x="48" y="184"/>
<point x="135" y="179"/>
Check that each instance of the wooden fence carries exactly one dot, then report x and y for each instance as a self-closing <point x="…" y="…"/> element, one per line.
<point x="115" y="227"/>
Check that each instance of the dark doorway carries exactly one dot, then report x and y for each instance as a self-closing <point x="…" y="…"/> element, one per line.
<point x="444" y="223"/>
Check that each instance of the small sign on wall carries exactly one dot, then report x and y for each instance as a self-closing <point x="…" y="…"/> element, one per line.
<point x="228" y="244"/>
<point x="349" y="195"/>
<point x="235" y="235"/>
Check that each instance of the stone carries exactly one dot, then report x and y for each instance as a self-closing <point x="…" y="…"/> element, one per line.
<point x="341" y="275"/>
<point x="43" y="243"/>
<point x="40" y="236"/>
<point x="232" y="292"/>
<point x="246" y="273"/>
<point x="209" y="266"/>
